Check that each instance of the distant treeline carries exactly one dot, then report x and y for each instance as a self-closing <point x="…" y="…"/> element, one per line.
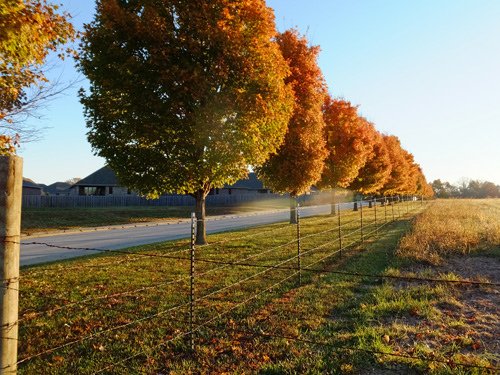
<point x="466" y="189"/>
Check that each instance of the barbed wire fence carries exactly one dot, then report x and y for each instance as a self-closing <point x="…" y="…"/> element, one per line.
<point x="190" y="290"/>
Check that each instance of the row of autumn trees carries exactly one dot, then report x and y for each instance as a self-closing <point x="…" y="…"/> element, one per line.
<point x="186" y="96"/>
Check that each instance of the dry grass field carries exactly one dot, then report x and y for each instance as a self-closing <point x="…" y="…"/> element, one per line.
<point x="454" y="240"/>
<point x="453" y="227"/>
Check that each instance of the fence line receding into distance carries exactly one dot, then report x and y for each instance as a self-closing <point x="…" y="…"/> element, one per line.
<point x="183" y="295"/>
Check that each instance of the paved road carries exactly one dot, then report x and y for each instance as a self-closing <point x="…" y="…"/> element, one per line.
<point x="119" y="238"/>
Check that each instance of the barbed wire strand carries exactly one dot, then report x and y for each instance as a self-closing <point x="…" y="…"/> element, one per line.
<point x="183" y="305"/>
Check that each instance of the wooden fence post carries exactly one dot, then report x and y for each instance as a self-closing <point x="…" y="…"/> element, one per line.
<point x="11" y="190"/>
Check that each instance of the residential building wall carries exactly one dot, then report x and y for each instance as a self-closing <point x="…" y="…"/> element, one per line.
<point x="101" y="190"/>
<point x="31" y="191"/>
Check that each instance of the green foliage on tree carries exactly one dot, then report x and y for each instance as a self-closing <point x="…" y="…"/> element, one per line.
<point x="184" y="95"/>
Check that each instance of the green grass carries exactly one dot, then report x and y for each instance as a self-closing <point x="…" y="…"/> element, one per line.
<point x="286" y="329"/>
<point x="36" y="220"/>
<point x="49" y="287"/>
<point x="423" y="320"/>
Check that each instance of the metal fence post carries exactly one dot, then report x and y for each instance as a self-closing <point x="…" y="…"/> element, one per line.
<point x="375" y="212"/>
<point x="399" y="210"/>
<point x="11" y="182"/>
<point x="191" y="279"/>
<point x="298" y="244"/>
<point x="340" y="230"/>
<point x="361" y="219"/>
<point x="385" y="210"/>
<point x="392" y="206"/>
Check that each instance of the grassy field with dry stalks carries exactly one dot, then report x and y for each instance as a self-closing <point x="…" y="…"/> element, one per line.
<point x="451" y="240"/>
<point x="452" y="227"/>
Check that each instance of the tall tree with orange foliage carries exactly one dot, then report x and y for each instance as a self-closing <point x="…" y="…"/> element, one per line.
<point x="184" y="95"/>
<point x="298" y="163"/>
<point x="410" y="186"/>
<point x="401" y="180"/>
<point x="376" y="172"/>
<point x="349" y="144"/>
<point x="29" y="31"/>
<point x="423" y="189"/>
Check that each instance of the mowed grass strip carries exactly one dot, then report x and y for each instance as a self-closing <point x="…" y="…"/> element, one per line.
<point x="36" y="220"/>
<point x="101" y="310"/>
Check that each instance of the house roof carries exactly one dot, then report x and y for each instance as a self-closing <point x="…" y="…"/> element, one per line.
<point x="251" y="183"/>
<point x="102" y="177"/>
<point x="27" y="183"/>
<point x="106" y="177"/>
<point x="56" y="187"/>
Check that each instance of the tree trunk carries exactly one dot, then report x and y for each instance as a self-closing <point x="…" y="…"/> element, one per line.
<point x="293" y="209"/>
<point x="201" y="235"/>
<point x="355" y="208"/>
<point x="333" y="211"/>
<point x="370" y="203"/>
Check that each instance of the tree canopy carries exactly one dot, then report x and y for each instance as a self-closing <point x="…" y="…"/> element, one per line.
<point x="184" y="95"/>
<point x="298" y="163"/>
<point x="400" y="168"/>
<point x="29" y="31"/>
<point x="349" y="143"/>
<point x="467" y="189"/>
<point x="376" y="172"/>
<point x="7" y="145"/>
<point x="423" y="188"/>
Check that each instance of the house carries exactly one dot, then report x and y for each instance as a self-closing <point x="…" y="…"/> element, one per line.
<point x="31" y="188"/>
<point x="250" y="185"/>
<point x="104" y="182"/>
<point x="57" y="188"/>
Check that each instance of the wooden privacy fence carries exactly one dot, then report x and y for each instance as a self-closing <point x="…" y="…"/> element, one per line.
<point x="33" y="201"/>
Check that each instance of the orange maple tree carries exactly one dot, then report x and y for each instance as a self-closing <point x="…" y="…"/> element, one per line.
<point x="29" y="31"/>
<point x="349" y="144"/>
<point x="7" y="145"/>
<point x="376" y="172"/>
<point x="402" y="179"/>
<point x="423" y="188"/>
<point x="184" y="95"/>
<point x="298" y="163"/>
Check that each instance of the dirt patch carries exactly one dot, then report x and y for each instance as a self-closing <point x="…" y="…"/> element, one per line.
<point x="470" y="319"/>
<point x="474" y="267"/>
<point x="480" y="305"/>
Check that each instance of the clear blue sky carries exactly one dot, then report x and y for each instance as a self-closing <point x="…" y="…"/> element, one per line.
<point x="427" y="71"/>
